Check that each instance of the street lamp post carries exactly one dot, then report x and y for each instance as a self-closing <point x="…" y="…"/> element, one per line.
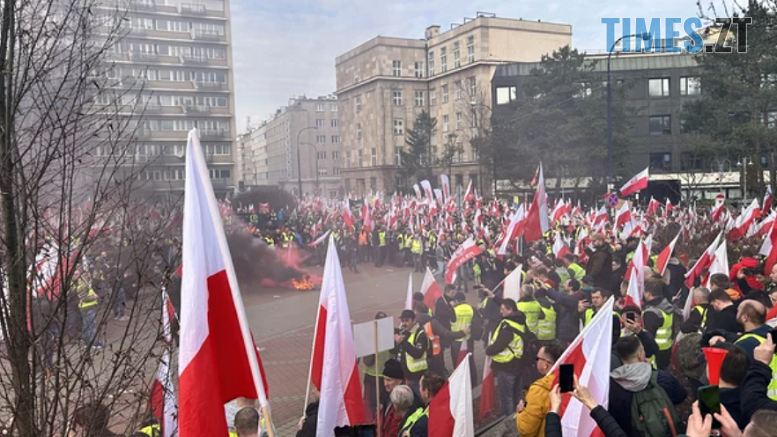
<point x="315" y="149"/>
<point x="644" y="36"/>
<point x="744" y="162"/>
<point x="299" y="162"/>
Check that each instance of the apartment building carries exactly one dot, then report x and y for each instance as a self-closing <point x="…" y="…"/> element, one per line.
<point x="300" y="142"/>
<point x="383" y="84"/>
<point x="177" y="57"/>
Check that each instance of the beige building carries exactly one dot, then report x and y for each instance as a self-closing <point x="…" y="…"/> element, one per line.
<point x="269" y="151"/>
<point x="177" y="56"/>
<point x="383" y="84"/>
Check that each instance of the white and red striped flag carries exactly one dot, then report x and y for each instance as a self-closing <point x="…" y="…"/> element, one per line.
<point x="333" y="370"/>
<point x="769" y="249"/>
<point x="348" y="217"/>
<point x="450" y="412"/>
<point x="465" y="252"/>
<point x="487" y="390"/>
<point x="589" y="353"/>
<point x="427" y="190"/>
<point x="162" y="401"/>
<point x="560" y="248"/>
<point x="719" y="262"/>
<point x="768" y="199"/>
<point x="446" y="188"/>
<point x="653" y="206"/>
<point x="216" y="344"/>
<point x="638" y="183"/>
<point x="514" y="230"/>
<point x="430" y="289"/>
<point x="537" y="216"/>
<point x="663" y="257"/>
<point x="409" y="298"/>
<point x="702" y="263"/>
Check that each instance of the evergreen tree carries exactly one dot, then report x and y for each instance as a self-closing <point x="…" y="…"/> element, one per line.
<point x="417" y="158"/>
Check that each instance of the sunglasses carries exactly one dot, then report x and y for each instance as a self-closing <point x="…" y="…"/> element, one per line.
<point x="542" y="359"/>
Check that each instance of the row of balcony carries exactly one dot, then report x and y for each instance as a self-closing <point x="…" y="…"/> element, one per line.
<point x="151" y="6"/>
<point x="184" y="85"/>
<point x="167" y="59"/>
<point x="205" y="135"/>
<point x="155" y="109"/>
<point x="193" y="34"/>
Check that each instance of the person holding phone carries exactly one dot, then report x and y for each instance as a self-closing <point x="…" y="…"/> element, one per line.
<point x="604" y="420"/>
<point x="531" y="413"/>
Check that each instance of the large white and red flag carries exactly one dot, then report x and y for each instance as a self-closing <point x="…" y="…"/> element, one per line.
<point x="514" y="230"/>
<point x="409" y="298"/>
<point x="348" y="217"/>
<point x="465" y="252"/>
<point x="560" y="248"/>
<point x="719" y="262"/>
<point x="589" y="353"/>
<point x="702" y="263"/>
<point x="487" y="390"/>
<point x="537" y="216"/>
<point x="430" y="289"/>
<point x="217" y="360"/>
<point x="769" y="249"/>
<point x="446" y="188"/>
<point x="450" y="412"/>
<point x="663" y="257"/>
<point x="638" y="183"/>
<point x="427" y="190"/>
<point x="653" y="206"/>
<point x="768" y="199"/>
<point x="742" y="223"/>
<point x="622" y="216"/>
<point x="333" y="369"/>
<point x="162" y="401"/>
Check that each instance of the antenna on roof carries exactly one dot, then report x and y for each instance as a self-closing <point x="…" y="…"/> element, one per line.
<point x="486" y="15"/>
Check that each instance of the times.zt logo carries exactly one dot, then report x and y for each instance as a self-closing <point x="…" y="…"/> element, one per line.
<point x="727" y="26"/>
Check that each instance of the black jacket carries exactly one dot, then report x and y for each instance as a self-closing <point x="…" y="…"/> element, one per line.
<point x="725" y="320"/>
<point x="603" y="418"/>
<point x="567" y="325"/>
<point x="694" y="322"/>
<point x="753" y="395"/>
<point x="620" y="399"/>
<point x="600" y="266"/>
<point x="443" y="311"/>
<point x="311" y="419"/>
<point x="731" y="399"/>
<point x="416" y="350"/>
<point x="503" y="340"/>
<point x="676" y="278"/>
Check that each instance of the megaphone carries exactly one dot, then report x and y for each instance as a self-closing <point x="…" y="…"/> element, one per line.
<point x="715" y="358"/>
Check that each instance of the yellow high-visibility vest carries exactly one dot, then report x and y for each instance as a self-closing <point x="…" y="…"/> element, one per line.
<point x="464" y="315"/>
<point x="514" y="350"/>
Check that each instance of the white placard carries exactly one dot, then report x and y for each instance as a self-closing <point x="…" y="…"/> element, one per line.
<point x="364" y="336"/>
<point x="513" y="284"/>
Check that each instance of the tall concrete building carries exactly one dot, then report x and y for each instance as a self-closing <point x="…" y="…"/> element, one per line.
<point x="383" y="84"/>
<point x="177" y="56"/>
<point x="270" y="150"/>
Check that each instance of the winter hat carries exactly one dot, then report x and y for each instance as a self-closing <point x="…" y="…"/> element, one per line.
<point x="392" y="369"/>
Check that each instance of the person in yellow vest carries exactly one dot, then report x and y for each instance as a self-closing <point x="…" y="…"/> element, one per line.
<point x="599" y="297"/>
<point x="382" y="243"/>
<point x="572" y="266"/>
<point x="288" y="237"/>
<point x="658" y="315"/>
<point x="546" y="328"/>
<point x="87" y="304"/>
<point x="751" y="315"/>
<point x="697" y="321"/>
<point x="407" y="256"/>
<point x="530" y="308"/>
<point x="149" y="428"/>
<point x="439" y="336"/>
<point x="506" y="351"/>
<point x="430" y="247"/>
<point x="431" y="384"/>
<point x="373" y="385"/>
<point x="467" y="321"/>
<point x="404" y="401"/>
<point x="417" y="249"/>
<point x="762" y="373"/>
<point x="412" y="345"/>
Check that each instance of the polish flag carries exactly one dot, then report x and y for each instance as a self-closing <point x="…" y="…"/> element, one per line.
<point x="558" y="211"/>
<point x="589" y="353"/>
<point x="702" y="263"/>
<point x="769" y="249"/>
<point x="634" y="293"/>
<point x="717" y="211"/>
<point x="333" y="370"/>
<point x="622" y="216"/>
<point x="653" y="206"/>
<point x="742" y="223"/>
<point x="669" y="207"/>
<point x="468" y="196"/>
<point x="719" y="262"/>
<point x="537" y="216"/>
<point x="637" y="183"/>
<point x="417" y="191"/>
<point x="367" y="222"/>
<point x="487" y="390"/>
<point x="427" y="189"/>
<point x="162" y="401"/>
<point x="768" y="199"/>
<point x="559" y="247"/>
<point x="450" y="412"/>
<point x="348" y="217"/>
<point x="636" y="268"/>
<point x="462" y="352"/>
<point x="600" y="216"/>
<point x="216" y="344"/>
<point x="430" y="289"/>
<point x="663" y="257"/>
<point x="446" y="188"/>
<point x="320" y="239"/>
<point x="514" y="229"/>
<point x="465" y="252"/>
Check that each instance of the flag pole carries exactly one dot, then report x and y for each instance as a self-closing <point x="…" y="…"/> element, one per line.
<point x="377" y="378"/>
<point x="312" y="351"/>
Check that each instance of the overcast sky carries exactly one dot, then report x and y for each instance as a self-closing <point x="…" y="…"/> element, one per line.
<point x="285" y="48"/>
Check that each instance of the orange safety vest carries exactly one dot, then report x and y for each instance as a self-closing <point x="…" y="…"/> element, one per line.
<point x="363" y="239"/>
<point x="433" y="338"/>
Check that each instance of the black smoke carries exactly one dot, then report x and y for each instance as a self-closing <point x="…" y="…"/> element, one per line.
<point x="255" y="262"/>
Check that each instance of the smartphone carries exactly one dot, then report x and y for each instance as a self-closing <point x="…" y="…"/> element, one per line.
<point x="566" y="377"/>
<point x="774" y="339"/>
<point x="632" y="317"/>
<point x="365" y="430"/>
<point x="709" y="402"/>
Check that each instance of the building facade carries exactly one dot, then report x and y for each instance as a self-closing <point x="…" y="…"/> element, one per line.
<point x="383" y="84"/>
<point x="175" y="63"/>
<point x="270" y="151"/>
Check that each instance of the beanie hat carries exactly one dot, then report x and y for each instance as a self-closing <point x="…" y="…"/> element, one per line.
<point x="393" y="369"/>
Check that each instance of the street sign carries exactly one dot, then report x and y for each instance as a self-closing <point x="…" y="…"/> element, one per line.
<point x="612" y="200"/>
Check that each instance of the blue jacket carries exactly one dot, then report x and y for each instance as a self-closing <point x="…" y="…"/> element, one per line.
<point x="567" y="324"/>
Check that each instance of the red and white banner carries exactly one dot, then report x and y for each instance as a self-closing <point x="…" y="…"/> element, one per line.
<point x="446" y="188"/>
<point x="537" y="216"/>
<point x="216" y="344"/>
<point x="427" y="190"/>
<point x="450" y="412"/>
<point x="769" y="249"/>
<point x="487" y="390"/>
<point x="768" y="199"/>
<point x="653" y="206"/>
<point x="333" y="370"/>
<point x="417" y="192"/>
<point x="319" y="239"/>
<point x="589" y="353"/>
<point x="430" y="289"/>
<point x="702" y="263"/>
<point x="465" y="252"/>
<point x="742" y="223"/>
<point x="663" y="257"/>
<point x="514" y="230"/>
<point x="162" y="402"/>
<point x="638" y="183"/>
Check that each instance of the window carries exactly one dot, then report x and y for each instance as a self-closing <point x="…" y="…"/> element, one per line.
<point x="432" y="97"/>
<point x="396" y="68"/>
<point x="419" y="69"/>
<point x="473" y="87"/>
<point x="445" y="93"/>
<point x="443" y="60"/>
<point x="661" y="161"/>
<point x="348" y="159"/>
<point x="335" y="155"/>
<point x="321" y="155"/>
<point x="321" y="139"/>
<point x="320" y="122"/>
<point x="358" y="104"/>
<point x="320" y="107"/>
<point x="691" y="161"/>
<point x="771" y="118"/>
<point x="458" y="90"/>
<point x="399" y="126"/>
<point x="333" y="122"/>
<point x="658" y="87"/>
<point x="458" y="120"/>
<point x="445" y="123"/>
<point x="358" y="131"/>
<point x="430" y="64"/>
<point x="336" y="172"/>
<point x="335" y="139"/>
<point x="333" y="107"/>
<point x="216" y="173"/>
<point x="396" y="97"/>
<point x="660" y="125"/>
<point x="470" y="49"/>
<point x="322" y="172"/>
<point x="690" y="86"/>
<point x="456" y="55"/>
<point x="374" y="157"/>
<point x="361" y="158"/>
<point x="419" y="98"/>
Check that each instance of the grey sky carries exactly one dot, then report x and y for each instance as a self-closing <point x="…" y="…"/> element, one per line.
<point x="284" y="48"/>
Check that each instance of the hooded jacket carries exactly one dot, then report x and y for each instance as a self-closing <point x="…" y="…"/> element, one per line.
<point x="567" y="325"/>
<point x="632" y="378"/>
<point x="531" y="421"/>
<point x="654" y="321"/>
<point x="750" y="281"/>
<point x="600" y="266"/>
<point x="503" y="340"/>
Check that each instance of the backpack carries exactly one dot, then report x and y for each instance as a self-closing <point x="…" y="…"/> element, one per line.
<point x="652" y="412"/>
